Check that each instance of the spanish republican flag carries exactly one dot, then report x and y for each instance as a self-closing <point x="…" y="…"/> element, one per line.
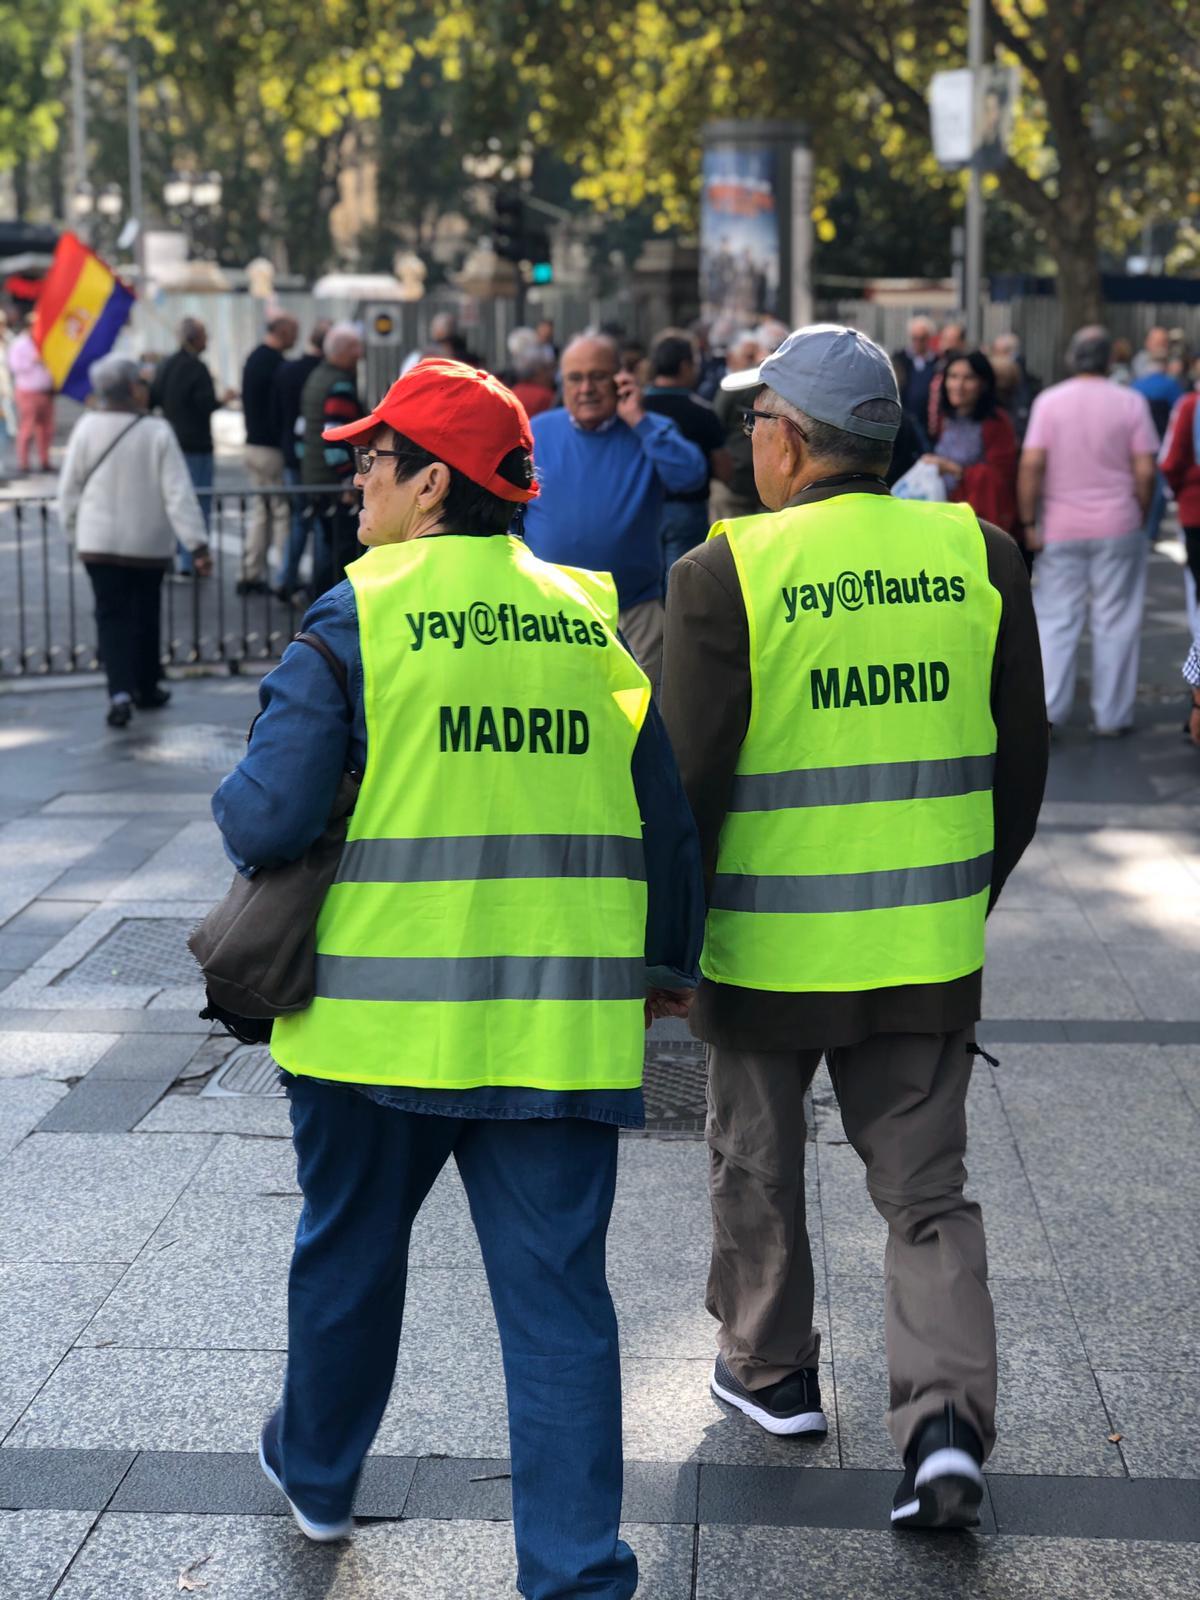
<point x="81" y="309"/>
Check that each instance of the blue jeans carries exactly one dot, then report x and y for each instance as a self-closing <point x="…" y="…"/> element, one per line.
<point x="289" y="578"/>
<point x="684" y="525"/>
<point x="200" y="470"/>
<point x="540" y="1193"/>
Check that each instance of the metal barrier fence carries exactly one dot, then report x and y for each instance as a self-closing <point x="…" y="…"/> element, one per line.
<point x="46" y="603"/>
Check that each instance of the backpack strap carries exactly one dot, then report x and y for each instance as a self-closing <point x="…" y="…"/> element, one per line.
<point x="335" y="666"/>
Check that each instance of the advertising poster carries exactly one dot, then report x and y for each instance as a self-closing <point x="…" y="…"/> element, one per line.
<point x="739" y="233"/>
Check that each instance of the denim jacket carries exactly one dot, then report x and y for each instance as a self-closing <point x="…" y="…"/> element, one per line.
<point x="276" y="801"/>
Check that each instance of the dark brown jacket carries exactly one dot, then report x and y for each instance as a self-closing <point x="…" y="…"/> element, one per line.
<point x="706" y="704"/>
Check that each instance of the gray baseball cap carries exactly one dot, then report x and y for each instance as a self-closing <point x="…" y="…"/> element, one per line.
<point x="827" y="371"/>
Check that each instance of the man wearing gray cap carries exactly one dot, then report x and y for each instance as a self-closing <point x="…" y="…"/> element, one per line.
<point x="853" y="689"/>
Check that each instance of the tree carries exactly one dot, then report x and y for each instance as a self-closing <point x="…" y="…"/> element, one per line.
<point x="1104" y="134"/>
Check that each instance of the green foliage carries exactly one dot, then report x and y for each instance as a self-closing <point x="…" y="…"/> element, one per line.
<point x="280" y="98"/>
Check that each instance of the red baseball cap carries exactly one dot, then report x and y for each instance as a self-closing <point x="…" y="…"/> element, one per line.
<point x="465" y="417"/>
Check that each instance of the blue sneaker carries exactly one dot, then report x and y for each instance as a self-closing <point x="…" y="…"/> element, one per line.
<point x="318" y="1532"/>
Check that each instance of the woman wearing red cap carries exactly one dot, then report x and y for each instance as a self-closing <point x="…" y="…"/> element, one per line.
<point x="520" y="888"/>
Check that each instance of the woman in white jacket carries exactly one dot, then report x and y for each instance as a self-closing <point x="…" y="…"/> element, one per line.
<point x="124" y="497"/>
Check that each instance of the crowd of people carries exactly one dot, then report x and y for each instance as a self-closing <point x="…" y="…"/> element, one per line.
<point x="640" y="451"/>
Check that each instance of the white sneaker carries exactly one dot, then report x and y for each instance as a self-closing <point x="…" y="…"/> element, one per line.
<point x="318" y="1532"/>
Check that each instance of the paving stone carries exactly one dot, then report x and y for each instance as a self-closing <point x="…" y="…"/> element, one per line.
<point x="36" y="1548"/>
<point x="153" y="1400"/>
<point x="654" y="1491"/>
<point x="1139" y="1318"/>
<point x="131" y="801"/>
<point x="265" y="1558"/>
<point x="775" y="1497"/>
<point x="1161" y="979"/>
<point x="104" y="1105"/>
<point x="661" y="1311"/>
<point x="240" y="1165"/>
<point x="23" y="949"/>
<point x="37" y="991"/>
<point x="189" y="1113"/>
<point x="1049" y="1414"/>
<point x="45" y="1307"/>
<point x="115" y="1020"/>
<point x="1095" y="990"/>
<point x="1148" y="919"/>
<point x="155" y="1056"/>
<point x="24" y="1102"/>
<point x="1104" y="1508"/>
<point x="51" y="1055"/>
<point x="661" y="1190"/>
<point x="87" y="883"/>
<point x="1098" y="1233"/>
<point x="224" y="1483"/>
<point x="38" y="850"/>
<point x="878" y="1566"/>
<point x="671" y="1415"/>
<point x="60" y="1480"/>
<point x="193" y="866"/>
<point x="80" y="1197"/>
<point x="1158" y="1418"/>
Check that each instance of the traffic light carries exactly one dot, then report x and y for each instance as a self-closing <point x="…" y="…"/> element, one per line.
<point x="508" y="227"/>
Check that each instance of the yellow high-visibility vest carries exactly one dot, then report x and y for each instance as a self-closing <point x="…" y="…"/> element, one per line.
<point x="487" y="926"/>
<point x="856" y="853"/>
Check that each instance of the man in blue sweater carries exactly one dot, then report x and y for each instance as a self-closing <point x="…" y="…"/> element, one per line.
<point x="605" y="465"/>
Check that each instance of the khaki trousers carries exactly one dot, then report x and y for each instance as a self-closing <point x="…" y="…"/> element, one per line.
<point x="642" y="626"/>
<point x="264" y="468"/>
<point x="903" y="1104"/>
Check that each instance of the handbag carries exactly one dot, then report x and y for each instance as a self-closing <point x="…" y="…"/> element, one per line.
<point x="257" y="948"/>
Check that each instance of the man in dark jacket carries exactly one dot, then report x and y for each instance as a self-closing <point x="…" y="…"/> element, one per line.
<point x="268" y="521"/>
<point x="330" y="399"/>
<point x="290" y="379"/>
<point x="183" y="391"/>
<point x="829" y="932"/>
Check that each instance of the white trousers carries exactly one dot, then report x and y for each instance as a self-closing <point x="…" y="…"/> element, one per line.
<point x="264" y="468"/>
<point x="1101" y="582"/>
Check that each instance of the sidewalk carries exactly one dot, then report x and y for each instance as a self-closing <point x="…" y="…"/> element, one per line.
<point x="147" y="1208"/>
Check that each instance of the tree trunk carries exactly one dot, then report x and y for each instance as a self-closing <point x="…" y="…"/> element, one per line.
<point x="1079" y="294"/>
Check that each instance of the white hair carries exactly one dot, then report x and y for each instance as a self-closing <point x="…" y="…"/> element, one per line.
<point x="113" y="379"/>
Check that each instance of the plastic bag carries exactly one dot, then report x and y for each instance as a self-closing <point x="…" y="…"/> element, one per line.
<point x="922" y="481"/>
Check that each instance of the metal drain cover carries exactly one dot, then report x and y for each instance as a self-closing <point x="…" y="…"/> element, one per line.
<point x="141" y="951"/>
<point x="201" y="744"/>
<point x="675" y="1077"/>
<point x="674" y="1085"/>
<point x="249" y="1070"/>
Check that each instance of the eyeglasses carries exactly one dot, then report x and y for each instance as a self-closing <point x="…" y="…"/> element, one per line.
<point x="365" y="457"/>
<point x="750" y="417"/>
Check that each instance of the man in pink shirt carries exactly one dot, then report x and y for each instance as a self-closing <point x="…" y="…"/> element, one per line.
<point x="1086" y="481"/>
<point x="33" y="394"/>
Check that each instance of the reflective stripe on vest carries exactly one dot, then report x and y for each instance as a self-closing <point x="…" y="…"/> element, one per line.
<point x="852" y="891"/>
<point x="846" y="786"/>
<point x="546" y="855"/>
<point x="474" y="978"/>
<point x="856" y="852"/>
<point x="487" y="925"/>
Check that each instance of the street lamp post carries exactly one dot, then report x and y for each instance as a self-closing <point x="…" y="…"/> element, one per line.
<point x="196" y="196"/>
<point x="974" y="241"/>
<point x="82" y="195"/>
